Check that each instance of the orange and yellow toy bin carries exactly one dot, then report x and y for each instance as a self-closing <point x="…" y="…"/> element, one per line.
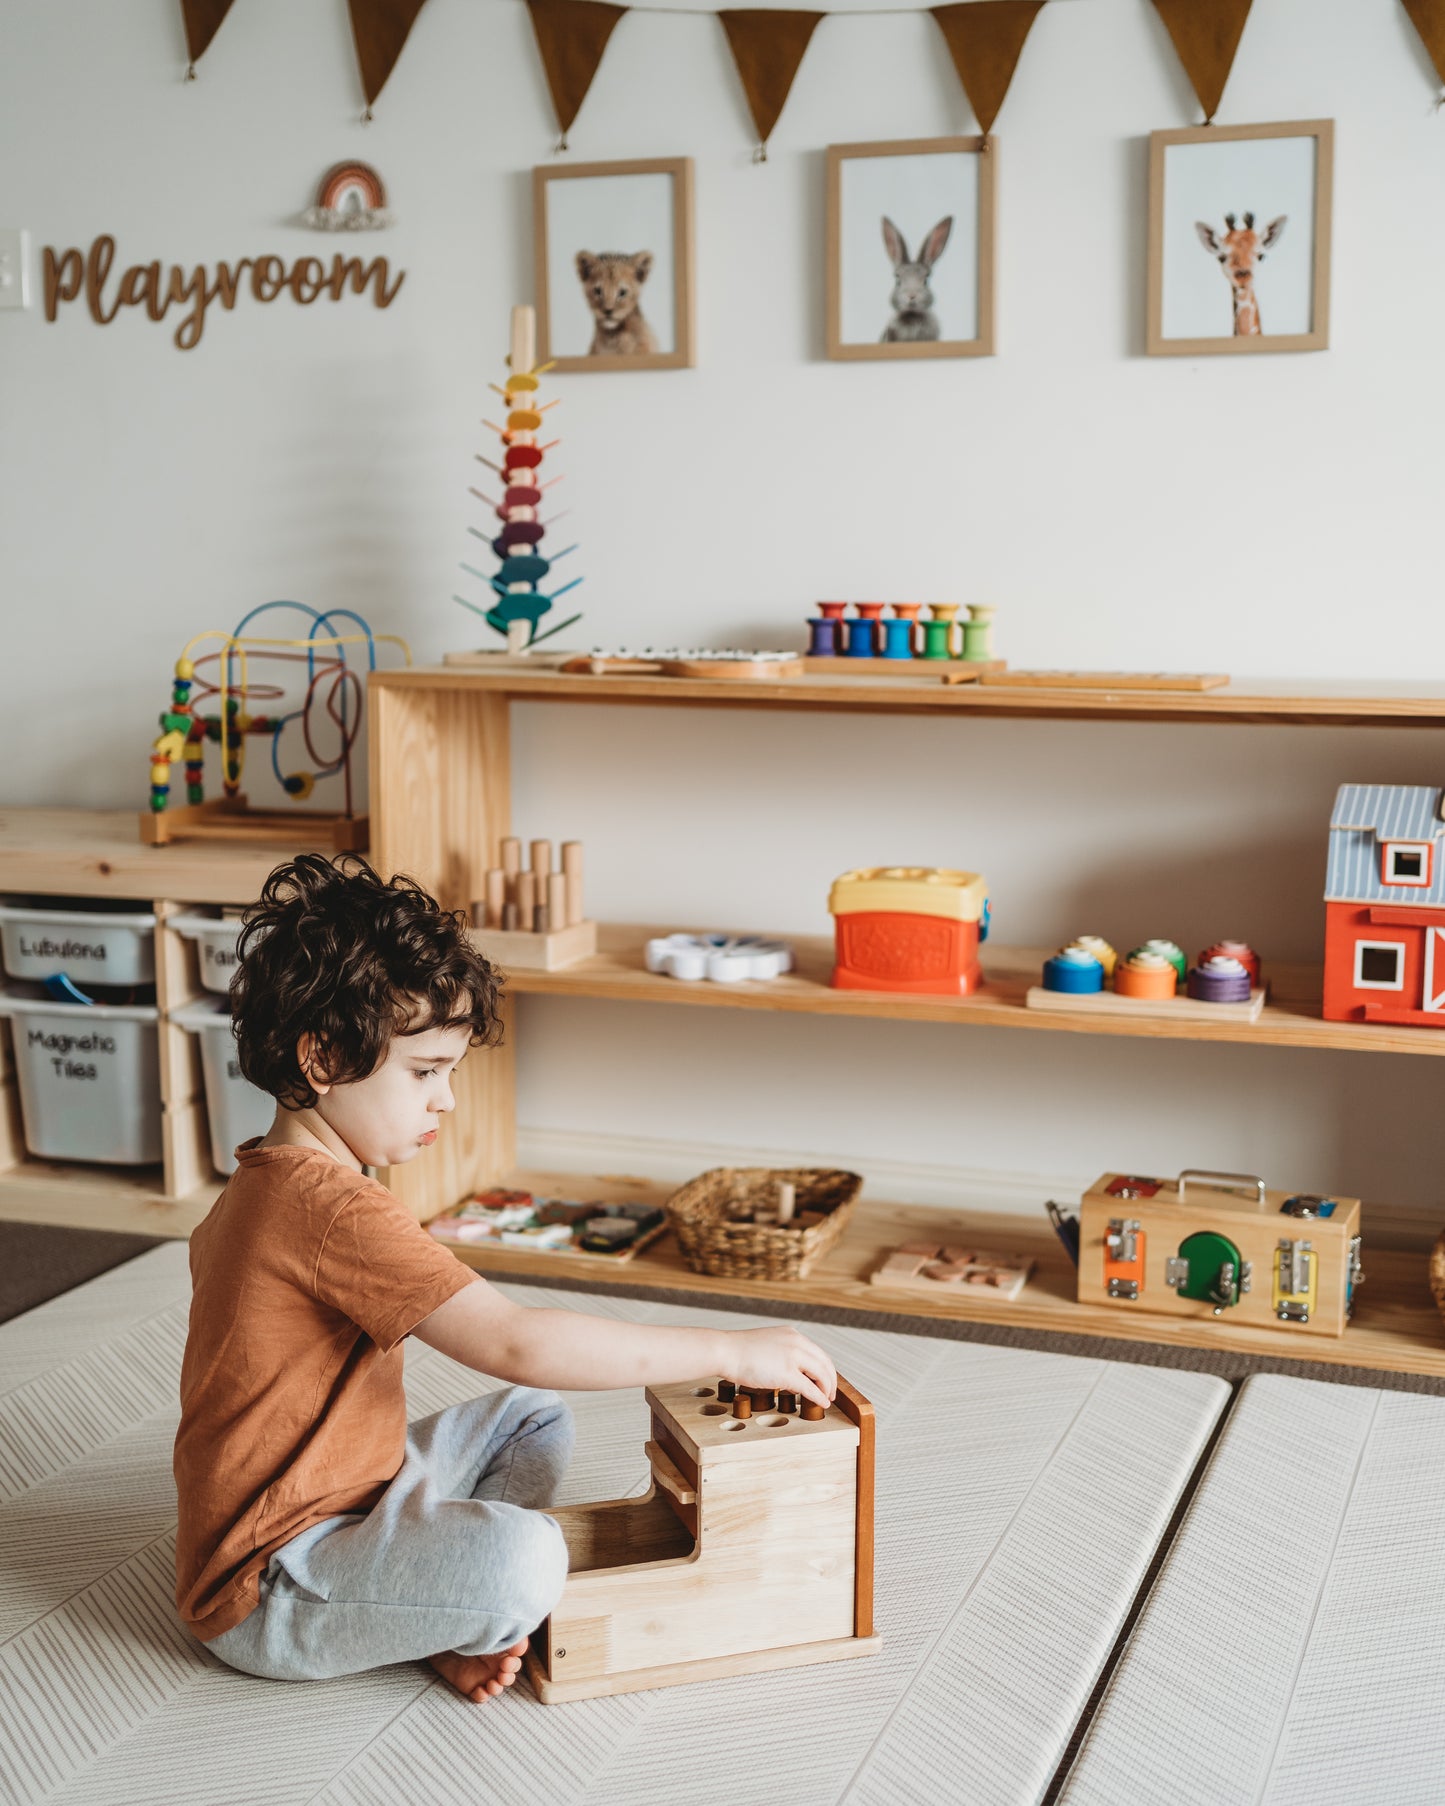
<point x="908" y="928"/>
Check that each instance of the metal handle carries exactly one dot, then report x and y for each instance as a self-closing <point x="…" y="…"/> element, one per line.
<point x="667" y="1476"/>
<point x="1222" y="1181"/>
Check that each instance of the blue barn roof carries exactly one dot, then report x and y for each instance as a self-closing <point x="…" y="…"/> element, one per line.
<point x="1364" y="816"/>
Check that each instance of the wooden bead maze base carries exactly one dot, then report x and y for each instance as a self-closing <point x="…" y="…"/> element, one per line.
<point x="752" y="1550"/>
<point x="232" y="818"/>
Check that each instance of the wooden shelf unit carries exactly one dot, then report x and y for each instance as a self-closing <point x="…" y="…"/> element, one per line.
<point x="92" y="853"/>
<point x="1291" y="1018"/>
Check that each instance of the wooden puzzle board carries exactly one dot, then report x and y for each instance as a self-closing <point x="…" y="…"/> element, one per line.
<point x="932" y="1267"/>
<point x="1178" y="1008"/>
<point x="709" y="1432"/>
<point x="1108" y="680"/>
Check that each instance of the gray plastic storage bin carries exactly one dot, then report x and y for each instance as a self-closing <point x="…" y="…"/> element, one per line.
<point x="93" y="946"/>
<point x="237" y="1109"/>
<point x="216" y="936"/>
<point x="90" y="1082"/>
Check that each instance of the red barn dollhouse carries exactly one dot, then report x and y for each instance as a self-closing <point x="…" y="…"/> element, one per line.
<point x="1385" y="906"/>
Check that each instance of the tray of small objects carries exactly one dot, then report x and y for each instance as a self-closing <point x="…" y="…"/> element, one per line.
<point x="965" y="1270"/>
<point x="1089" y="978"/>
<point x="516" y="1219"/>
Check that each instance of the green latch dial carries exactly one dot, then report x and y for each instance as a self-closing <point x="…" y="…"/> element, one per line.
<point x="1215" y="1269"/>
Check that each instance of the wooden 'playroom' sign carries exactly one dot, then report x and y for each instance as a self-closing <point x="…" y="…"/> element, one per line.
<point x="70" y="274"/>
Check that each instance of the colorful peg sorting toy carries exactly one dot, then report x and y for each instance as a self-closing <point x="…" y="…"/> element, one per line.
<point x="533" y="920"/>
<point x="517" y="602"/>
<point x="909" y="928"/>
<point x="1154" y="980"/>
<point x="835" y="634"/>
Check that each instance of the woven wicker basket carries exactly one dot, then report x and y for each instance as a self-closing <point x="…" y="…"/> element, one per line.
<point x="703" y="1217"/>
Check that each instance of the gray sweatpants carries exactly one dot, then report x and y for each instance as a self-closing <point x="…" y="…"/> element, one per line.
<point x="456" y="1553"/>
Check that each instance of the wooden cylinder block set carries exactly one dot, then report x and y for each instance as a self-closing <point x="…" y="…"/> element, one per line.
<point x="531" y="918"/>
<point x="752" y="1550"/>
<point x="1220" y="1245"/>
<point x="1154" y="979"/>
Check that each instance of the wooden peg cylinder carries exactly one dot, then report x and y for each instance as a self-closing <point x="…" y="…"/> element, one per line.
<point x="524" y="341"/>
<point x="726" y="1391"/>
<point x="541" y="920"/>
<point x="511" y="849"/>
<point x="526" y="897"/>
<point x="788" y="1402"/>
<point x="811" y="1413"/>
<point x="742" y="1405"/>
<point x="496" y="896"/>
<point x="509" y="916"/>
<point x="572" y="871"/>
<point x="542" y="859"/>
<point x="557" y="898"/>
<point x="787" y="1200"/>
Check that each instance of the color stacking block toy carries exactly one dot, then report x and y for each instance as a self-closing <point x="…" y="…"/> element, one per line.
<point x="532" y="920"/>
<point x="909" y="928"/>
<point x="751" y="1550"/>
<point x="1155" y="979"/>
<point x="1222" y="1245"/>
<point x="865" y="640"/>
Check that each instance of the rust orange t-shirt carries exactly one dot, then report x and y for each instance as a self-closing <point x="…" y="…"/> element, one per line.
<point x="306" y="1278"/>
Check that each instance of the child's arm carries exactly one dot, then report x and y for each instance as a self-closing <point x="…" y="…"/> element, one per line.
<point x="576" y="1353"/>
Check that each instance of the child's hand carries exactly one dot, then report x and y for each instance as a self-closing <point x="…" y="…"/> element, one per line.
<point x="784" y="1359"/>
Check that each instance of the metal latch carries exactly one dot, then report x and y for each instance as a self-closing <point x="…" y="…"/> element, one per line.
<point x="1123" y="1288"/>
<point x="1295" y="1260"/>
<point x="1122" y="1241"/>
<point x="1292" y="1313"/>
<point x="1176" y="1270"/>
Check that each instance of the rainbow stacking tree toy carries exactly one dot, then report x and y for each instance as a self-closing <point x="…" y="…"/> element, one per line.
<point x="518" y="603"/>
<point x="334" y="695"/>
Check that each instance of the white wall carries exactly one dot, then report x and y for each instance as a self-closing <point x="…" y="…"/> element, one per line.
<point x="1262" y="515"/>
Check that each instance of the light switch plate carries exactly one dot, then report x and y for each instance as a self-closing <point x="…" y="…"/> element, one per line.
<point x="14" y="267"/>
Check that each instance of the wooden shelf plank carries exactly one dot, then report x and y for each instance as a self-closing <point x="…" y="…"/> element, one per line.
<point x="1396" y="1329"/>
<point x="1245" y="700"/>
<point x="98" y="853"/>
<point x="1291" y="1018"/>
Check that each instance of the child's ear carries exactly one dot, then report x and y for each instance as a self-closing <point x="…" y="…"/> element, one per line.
<point x="308" y="1058"/>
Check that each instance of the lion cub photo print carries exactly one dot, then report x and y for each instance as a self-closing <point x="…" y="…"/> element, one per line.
<point x="908" y="248"/>
<point x="611" y="266"/>
<point x="1238" y="243"/>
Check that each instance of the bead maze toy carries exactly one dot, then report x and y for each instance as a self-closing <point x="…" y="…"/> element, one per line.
<point x="866" y="641"/>
<point x="186" y="729"/>
<point x="517" y="603"/>
<point x="909" y="928"/>
<point x="1385" y="906"/>
<point x="1215" y="1244"/>
<point x="1223" y="984"/>
<point x="721" y="958"/>
<point x="752" y="1549"/>
<point x="533" y="920"/>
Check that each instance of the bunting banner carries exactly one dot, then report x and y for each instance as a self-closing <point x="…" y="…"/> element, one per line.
<point x="767" y="48"/>
<point x="1206" y="34"/>
<point x="203" y="20"/>
<point x="381" y="28"/>
<point x="1428" y="18"/>
<point x="985" y="38"/>
<point x="571" y="36"/>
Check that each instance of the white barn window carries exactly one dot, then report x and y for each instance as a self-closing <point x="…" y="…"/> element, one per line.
<point x="1379" y="965"/>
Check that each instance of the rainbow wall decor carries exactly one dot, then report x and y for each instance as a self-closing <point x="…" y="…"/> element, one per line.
<point x="517" y="602"/>
<point x="351" y="198"/>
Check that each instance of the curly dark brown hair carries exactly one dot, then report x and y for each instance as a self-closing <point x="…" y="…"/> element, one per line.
<point x="333" y="950"/>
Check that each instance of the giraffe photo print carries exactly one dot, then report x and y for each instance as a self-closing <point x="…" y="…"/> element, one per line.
<point x="1239" y="238"/>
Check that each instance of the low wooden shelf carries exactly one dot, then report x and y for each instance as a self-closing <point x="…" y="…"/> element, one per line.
<point x="1291" y="1018"/>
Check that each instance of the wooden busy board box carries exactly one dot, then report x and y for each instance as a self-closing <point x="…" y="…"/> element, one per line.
<point x="752" y="1550"/>
<point x="1220" y="1245"/>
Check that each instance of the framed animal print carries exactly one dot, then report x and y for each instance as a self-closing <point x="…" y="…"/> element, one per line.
<point x="614" y="264"/>
<point x="1239" y="239"/>
<point x="911" y="248"/>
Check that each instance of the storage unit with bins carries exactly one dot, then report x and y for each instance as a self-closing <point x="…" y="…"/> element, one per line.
<point x="150" y="1164"/>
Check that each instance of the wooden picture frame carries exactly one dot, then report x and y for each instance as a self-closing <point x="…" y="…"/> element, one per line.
<point x="561" y="325"/>
<point x="839" y="303"/>
<point x="1162" y="249"/>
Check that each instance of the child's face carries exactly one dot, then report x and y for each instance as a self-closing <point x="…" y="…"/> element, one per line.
<point x="387" y="1118"/>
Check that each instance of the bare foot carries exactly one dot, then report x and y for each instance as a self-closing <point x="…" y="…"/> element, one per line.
<point x="480" y="1678"/>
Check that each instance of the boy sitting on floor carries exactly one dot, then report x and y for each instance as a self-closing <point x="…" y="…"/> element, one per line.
<point x="319" y="1533"/>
